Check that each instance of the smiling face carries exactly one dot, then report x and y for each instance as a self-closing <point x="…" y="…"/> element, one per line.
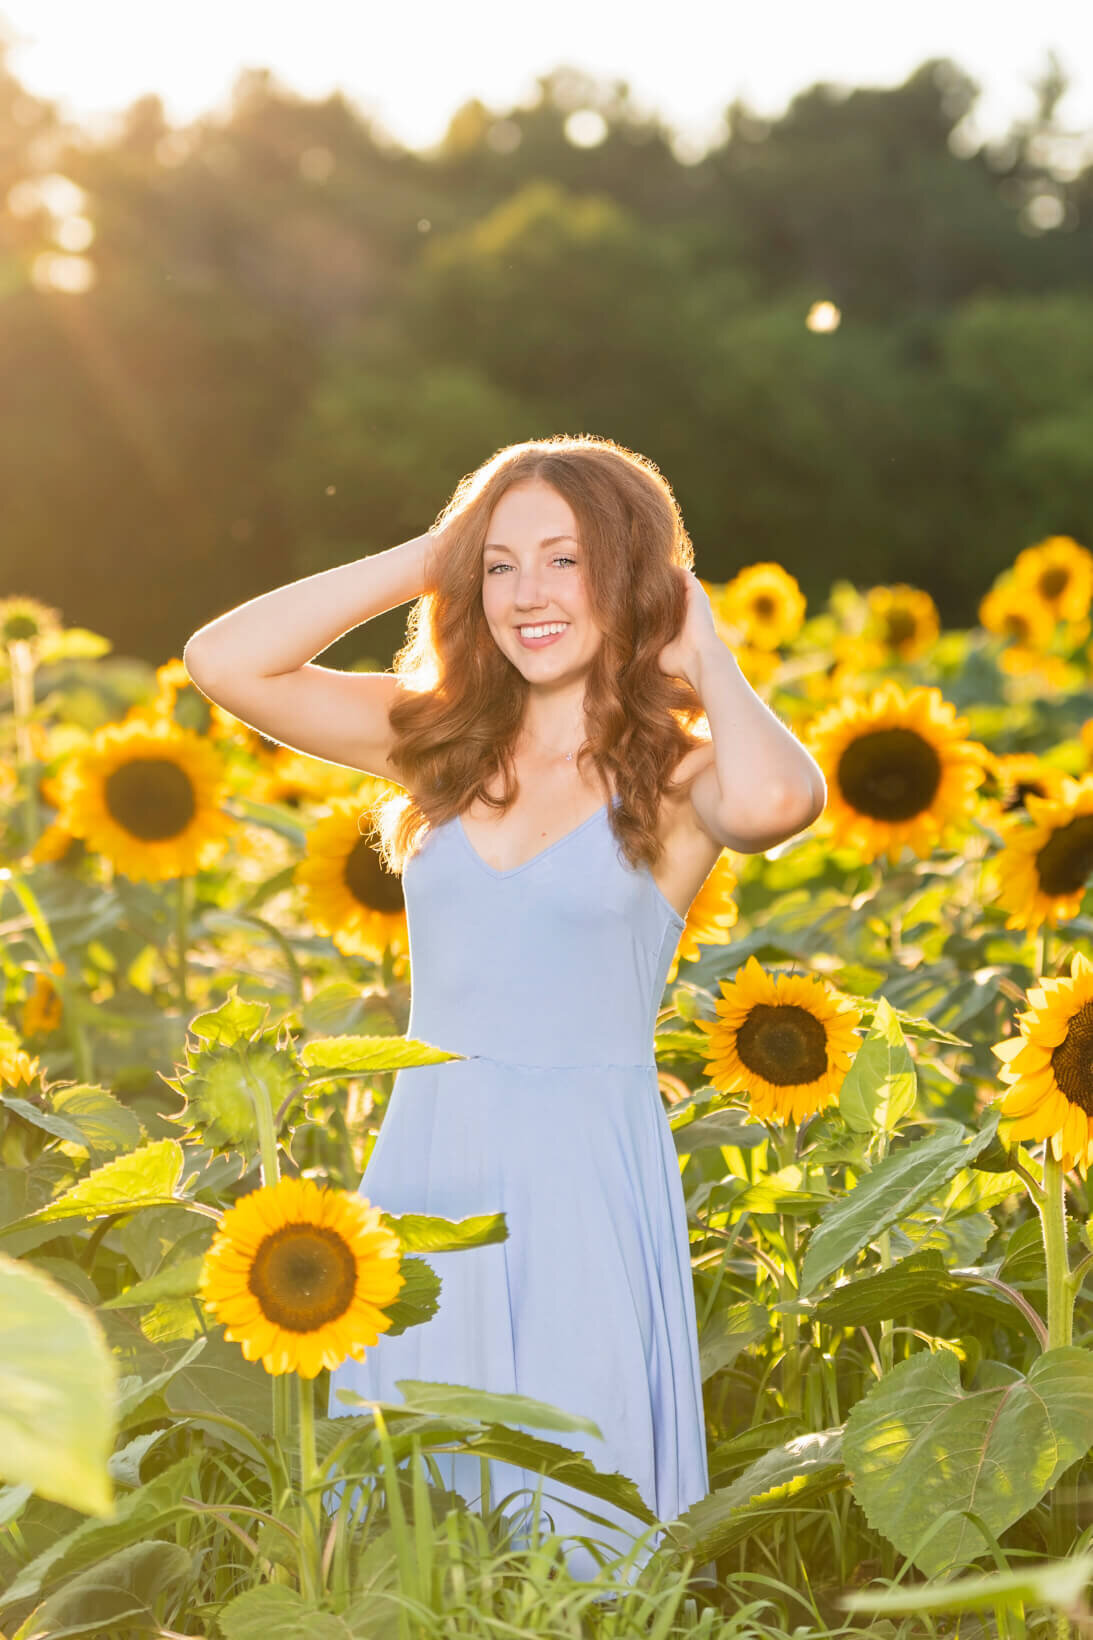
<point x="533" y="575"/>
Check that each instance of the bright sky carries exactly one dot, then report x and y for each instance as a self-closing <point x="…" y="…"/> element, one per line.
<point x="411" y="65"/>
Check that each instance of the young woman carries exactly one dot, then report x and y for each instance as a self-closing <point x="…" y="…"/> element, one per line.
<point x="573" y="746"/>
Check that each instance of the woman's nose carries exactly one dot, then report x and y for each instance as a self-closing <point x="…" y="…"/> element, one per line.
<point x="529" y="593"/>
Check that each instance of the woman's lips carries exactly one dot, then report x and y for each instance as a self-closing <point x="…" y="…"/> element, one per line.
<point x="541" y="643"/>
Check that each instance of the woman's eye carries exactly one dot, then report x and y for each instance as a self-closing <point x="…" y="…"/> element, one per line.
<point x="562" y="558"/>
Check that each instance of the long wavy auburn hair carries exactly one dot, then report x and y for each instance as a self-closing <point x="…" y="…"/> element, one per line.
<point x="457" y="729"/>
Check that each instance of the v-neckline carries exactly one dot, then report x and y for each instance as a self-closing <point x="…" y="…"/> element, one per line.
<point x="542" y="854"/>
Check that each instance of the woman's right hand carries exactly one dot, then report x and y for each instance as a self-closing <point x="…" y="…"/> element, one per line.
<point x="435" y="544"/>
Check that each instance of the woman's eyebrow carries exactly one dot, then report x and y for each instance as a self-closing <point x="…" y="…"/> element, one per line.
<point x="550" y="541"/>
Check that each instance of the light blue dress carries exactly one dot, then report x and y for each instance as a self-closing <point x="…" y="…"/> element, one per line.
<point x="548" y="977"/>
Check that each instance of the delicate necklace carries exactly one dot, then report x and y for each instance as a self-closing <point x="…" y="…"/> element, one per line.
<point x="567" y="755"/>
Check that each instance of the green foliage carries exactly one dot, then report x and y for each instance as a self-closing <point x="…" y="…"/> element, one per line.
<point x="57" y="1411"/>
<point x="332" y="381"/>
<point x="1058" y="1584"/>
<point x="381" y="331"/>
<point x="919" y="1446"/>
<point x="889" y="1192"/>
<point x="146" y="1177"/>
<point x="880" y="1087"/>
<point x="782" y="1481"/>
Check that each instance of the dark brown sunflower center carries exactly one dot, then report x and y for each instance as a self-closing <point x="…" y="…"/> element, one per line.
<point x="764" y="606"/>
<point x="1072" y="1060"/>
<point x="900" y="627"/>
<point x="368" y="883"/>
<point x="783" y="1043"/>
<point x="1015" y="798"/>
<point x="889" y="774"/>
<point x="1066" y="859"/>
<point x="1016" y="626"/>
<point x="1054" y="580"/>
<point x="150" y="797"/>
<point x="303" y="1276"/>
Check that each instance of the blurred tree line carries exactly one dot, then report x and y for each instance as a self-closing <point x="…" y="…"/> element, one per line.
<point x="297" y="335"/>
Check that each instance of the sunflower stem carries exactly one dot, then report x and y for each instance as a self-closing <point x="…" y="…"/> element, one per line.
<point x="271" y="1172"/>
<point x="1078" y="1274"/>
<point x="1050" y="1203"/>
<point x="788" y="1287"/>
<point x="310" y="1571"/>
<point x="1060" y="1292"/>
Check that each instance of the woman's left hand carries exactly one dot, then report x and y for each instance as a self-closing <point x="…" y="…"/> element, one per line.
<point x="697" y="632"/>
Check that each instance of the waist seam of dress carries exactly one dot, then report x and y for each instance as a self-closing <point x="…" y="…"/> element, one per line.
<point x="582" y="1065"/>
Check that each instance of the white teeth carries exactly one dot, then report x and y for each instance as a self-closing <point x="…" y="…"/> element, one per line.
<point x="541" y="631"/>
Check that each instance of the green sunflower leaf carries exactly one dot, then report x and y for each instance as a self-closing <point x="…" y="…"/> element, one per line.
<point x="429" y="1233"/>
<point x="137" y="1517"/>
<point x="57" y="1392"/>
<point x="911" y="1024"/>
<point x="105" y="1125"/>
<point x="694" y="1044"/>
<point x="1013" y="1439"/>
<point x="58" y="1127"/>
<point x="350" y="1055"/>
<point x="486" y="1406"/>
<point x="729" y="1333"/>
<point x="881" y="1086"/>
<point x="234" y="1019"/>
<point x="889" y="1192"/>
<point x="782" y="1481"/>
<point x="920" y="1281"/>
<point x="417" y="1299"/>
<point x="719" y="1127"/>
<point x="147" y="1177"/>
<point x="178" y="1280"/>
<point x="277" y="1613"/>
<point x="121" y="1594"/>
<point x="1057" y="1583"/>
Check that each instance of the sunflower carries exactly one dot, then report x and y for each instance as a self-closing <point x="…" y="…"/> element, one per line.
<point x="351" y="896"/>
<point x="765" y="603"/>
<point x="293" y="777"/>
<point x="898" y="768"/>
<point x="26" y="620"/>
<point x="56" y="843"/>
<point x="179" y="702"/>
<point x="758" y="665"/>
<point x="1049" y="1067"/>
<point x="1060" y="573"/>
<point x="853" y="655"/>
<point x="1015" y="612"/>
<point x="147" y="796"/>
<point x="300" y="1276"/>
<point x="787" y="1040"/>
<point x="712" y="913"/>
<point x="1044" y="868"/>
<point x="1014" y="777"/>
<point x="43" y="1009"/>
<point x="17" y="1068"/>
<point x="903" y="618"/>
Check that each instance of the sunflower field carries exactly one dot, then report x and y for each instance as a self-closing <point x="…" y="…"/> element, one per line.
<point x="876" y="1059"/>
